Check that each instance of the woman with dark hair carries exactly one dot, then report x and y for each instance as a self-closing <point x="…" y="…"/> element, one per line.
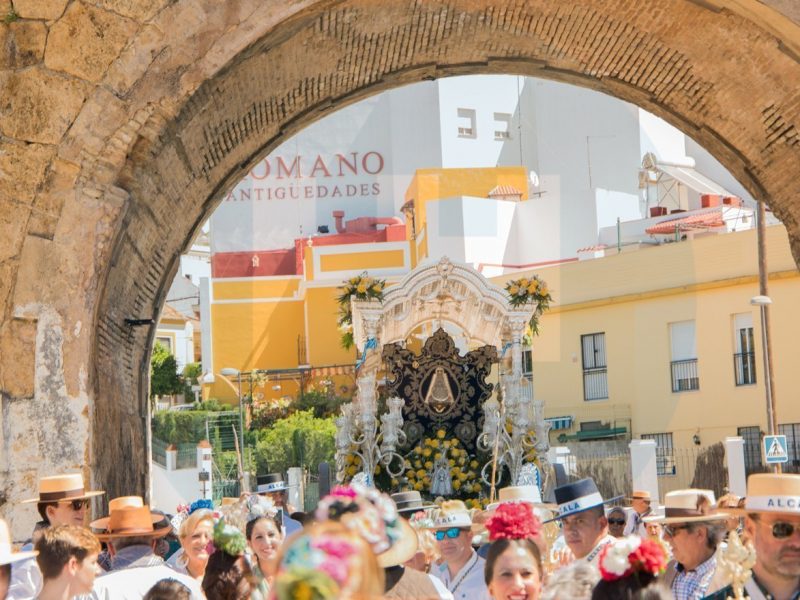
<point x="630" y="569"/>
<point x="514" y="561"/>
<point x="228" y="575"/>
<point x="264" y="538"/>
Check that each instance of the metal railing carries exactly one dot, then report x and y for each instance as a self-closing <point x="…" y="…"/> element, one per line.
<point x="160" y="452"/>
<point x="186" y="456"/>
<point x="684" y="375"/>
<point x="595" y="384"/>
<point x="744" y="367"/>
<point x="695" y="467"/>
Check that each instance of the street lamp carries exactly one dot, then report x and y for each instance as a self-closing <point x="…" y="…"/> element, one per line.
<point x="763" y="302"/>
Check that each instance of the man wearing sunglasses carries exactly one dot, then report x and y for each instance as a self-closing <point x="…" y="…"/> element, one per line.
<point x="462" y="569"/>
<point x="693" y="531"/>
<point x="62" y="500"/>
<point x="772" y="524"/>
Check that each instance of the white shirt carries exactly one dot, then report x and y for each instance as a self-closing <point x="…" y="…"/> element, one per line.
<point x="444" y="593"/>
<point x="634" y="524"/>
<point x="134" y="583"/>
<point x="26" y="580"/>
<point x="468" y="583"/>
<point x="593" y="556"/>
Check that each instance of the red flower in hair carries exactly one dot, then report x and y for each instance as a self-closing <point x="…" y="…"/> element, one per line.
<point x="513" y="521"/>
<point x="650" y="557"/>
<point x="627" y="556"/>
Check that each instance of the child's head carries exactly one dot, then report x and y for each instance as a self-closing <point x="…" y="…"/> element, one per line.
<point x="70" y="552"/>
<point x="168" y="589"/>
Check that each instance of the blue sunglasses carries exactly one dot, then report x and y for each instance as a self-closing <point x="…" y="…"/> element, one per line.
<point x="451" y="533"/>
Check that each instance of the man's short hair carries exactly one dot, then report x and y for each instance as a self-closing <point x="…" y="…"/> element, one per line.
<point x="124" y="542"/>
<point x="58" y="544"/>
<point x="715" y="531"/>
<point x="42" y="508"/>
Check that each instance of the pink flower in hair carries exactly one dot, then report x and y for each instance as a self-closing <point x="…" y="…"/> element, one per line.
<point x="343" y="491"/>
<point x="333" y="547"/>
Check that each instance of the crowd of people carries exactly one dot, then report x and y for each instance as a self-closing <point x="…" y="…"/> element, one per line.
<point x="361" y="544"/>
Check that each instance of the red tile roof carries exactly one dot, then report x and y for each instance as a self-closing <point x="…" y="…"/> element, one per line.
<point x="504" y="190"/>
<point x="706" y="220"/>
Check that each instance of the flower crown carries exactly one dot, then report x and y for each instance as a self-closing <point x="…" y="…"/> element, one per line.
<point x="182" y="511"/>
<point x="365" y="511"/>
<point x="513" y="521"/>
<point x="247" y="508"/>
<point x="315" y="568"/>
<point x="631" y="555"/>
<point x="229" y="539"/>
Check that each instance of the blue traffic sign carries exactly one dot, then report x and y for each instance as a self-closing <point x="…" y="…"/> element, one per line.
<point x="775" y="449"/>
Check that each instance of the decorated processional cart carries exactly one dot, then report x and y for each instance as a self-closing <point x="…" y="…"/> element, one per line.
<point x="439" y="425"/>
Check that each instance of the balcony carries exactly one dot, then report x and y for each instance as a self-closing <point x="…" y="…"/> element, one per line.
<point x="744" y="368"/>
<point x="684" y="375"/>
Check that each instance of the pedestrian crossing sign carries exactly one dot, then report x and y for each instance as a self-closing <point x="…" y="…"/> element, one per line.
<point x="775" y="449"/>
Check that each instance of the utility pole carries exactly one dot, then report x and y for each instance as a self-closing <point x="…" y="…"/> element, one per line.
<point x="766" y="334"/>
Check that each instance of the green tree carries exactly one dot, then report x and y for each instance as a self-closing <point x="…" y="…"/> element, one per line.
<point x="191" y="375"/>
<point x="300" y="440"/>
<point x="164" y="379"/>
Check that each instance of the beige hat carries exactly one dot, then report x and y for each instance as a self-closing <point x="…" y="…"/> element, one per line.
<point x="640" y="495"/>
<point x="62" y="487"/>
<point x="452" y="513"/>
<point x="125" y="502"/>
<point x="128" y="520"/>
<point x="529" y="494"/>
<point x="771" y="493"/>
<point x="6" y="555"/>
<point x="688" y="506"/>
<point x="402" y="549"/>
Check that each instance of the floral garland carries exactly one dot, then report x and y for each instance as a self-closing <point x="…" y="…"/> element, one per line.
<point x="229" y="539"/>
<point x="631" y="555"/>
<point x="530" y="289"/>
<point x="513" y="521"/>
<point x="464" y="473"/>
<point x="363" y="287"/>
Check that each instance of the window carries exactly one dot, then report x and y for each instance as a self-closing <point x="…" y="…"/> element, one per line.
<point x="684" y="357"/>
<point x="595" y="383"/>
<point x="527" y="363"/>
<point x="792" y="433"/>
<point x="744" y="359"/>
<point x="752" y="448"/>
<point x="467" y="126"/>
<point x="166" y="342"/>
<point x="665" y="455"/>
<point x="502" y="126"/>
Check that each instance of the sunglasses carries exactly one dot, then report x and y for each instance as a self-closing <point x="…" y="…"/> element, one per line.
<point x="77" y="504"/>
<point x="451" y="533"/>
<point x="616" y="521"/>
<point x="671" y="530"/>
<point x="782" y="531"/>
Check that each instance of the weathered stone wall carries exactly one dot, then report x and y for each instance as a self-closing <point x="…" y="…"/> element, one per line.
<point x="123" y="122"/>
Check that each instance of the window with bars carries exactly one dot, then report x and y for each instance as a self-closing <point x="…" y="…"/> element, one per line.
<point x="593" y="351"/>
<point x="792" y="433"/>
<point x="752" y="448"/>
<point x="527" y="363"/>
<point x="684" y="357"/>
<point x="744" y="360"/>
<point x="665" y="453"/>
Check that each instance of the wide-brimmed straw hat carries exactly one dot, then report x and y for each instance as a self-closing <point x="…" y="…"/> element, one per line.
<point x="452" y="513"/>
<point x="639" y="495"/>
<point x="410" y="502"/>
<point x="529" y="494"/>
<point x="6" y="555"/>
<point x="126" y="519"/>
<point x="688" y="506"/>
<point x="777" y="493"/>
<point x="62" y="487"/>
<point x="578" y="496"/>
<point x="271" y="482"/>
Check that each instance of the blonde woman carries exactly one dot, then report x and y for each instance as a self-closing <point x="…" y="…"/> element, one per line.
<point x="195" y="534"/>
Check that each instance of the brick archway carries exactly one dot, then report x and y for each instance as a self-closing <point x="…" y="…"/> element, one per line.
<point x="118" y="146"/>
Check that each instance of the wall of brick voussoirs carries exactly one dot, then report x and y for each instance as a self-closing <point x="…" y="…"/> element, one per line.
<point x="123" y="122"/>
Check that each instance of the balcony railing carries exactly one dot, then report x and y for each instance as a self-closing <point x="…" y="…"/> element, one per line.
<point x="684" y="375"/>
<point x="595" y="384"/>
<point x="744" y="367"/>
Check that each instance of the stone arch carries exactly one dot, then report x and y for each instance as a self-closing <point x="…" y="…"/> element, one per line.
<point x="124" y="142"/>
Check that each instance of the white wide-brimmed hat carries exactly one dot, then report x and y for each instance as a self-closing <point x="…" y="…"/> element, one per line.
<point x="68" y="486"/>
<point x="688" y="506"/>
<point x="452" y="513"/>
<point x="529" y="494"/>
<point x="770" y="493"/>
<point x="6" y="555"/>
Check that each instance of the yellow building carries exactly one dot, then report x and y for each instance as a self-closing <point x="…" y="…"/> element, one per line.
<point x="277" y="311"/>
<point x="664" y="343"/>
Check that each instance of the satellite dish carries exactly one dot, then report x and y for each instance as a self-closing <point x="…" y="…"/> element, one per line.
<point x="534" y="178"/>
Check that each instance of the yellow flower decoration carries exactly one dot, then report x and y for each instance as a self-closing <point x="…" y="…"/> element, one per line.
<point x="440" y="434"/>
<point x="473" y="464"/>
<point x="451" y="462"/>
<point x="418" y="486"/>
<point x="437" y="456"/>
<point x="411" y="474"/>
<point x="426" y="452"/>
<point x="456" y="484"/>
<point x="421" y="473"/>
<point x="429" y="465"/>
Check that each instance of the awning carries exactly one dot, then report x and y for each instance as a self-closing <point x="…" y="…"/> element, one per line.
<point x="557" y="423"/>
<point x="598" y="434"/>
<point x="705" y="220"/>
<point x="692" y="179"/>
